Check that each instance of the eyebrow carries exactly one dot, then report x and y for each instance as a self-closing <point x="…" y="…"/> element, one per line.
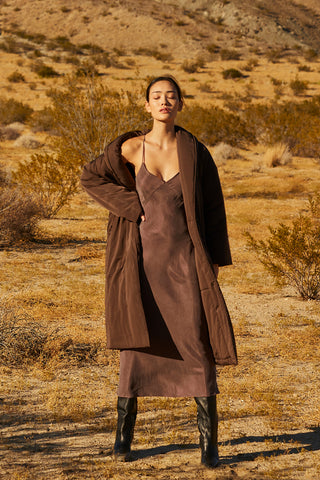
<point x="160" y="91"/>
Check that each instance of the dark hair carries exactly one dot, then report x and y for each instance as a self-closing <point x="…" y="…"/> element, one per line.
<point x="167" y="78"/>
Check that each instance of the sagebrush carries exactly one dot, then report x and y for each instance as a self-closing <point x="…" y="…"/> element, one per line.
<point x="19" y="212"/>
<point x="291" y="254"/>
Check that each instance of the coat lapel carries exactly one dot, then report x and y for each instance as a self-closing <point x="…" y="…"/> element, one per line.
<point x="187" y="165"/>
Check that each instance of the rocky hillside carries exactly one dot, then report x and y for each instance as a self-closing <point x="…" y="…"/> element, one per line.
<point x="185" y="28"/>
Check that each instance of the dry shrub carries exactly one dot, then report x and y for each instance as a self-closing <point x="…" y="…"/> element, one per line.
<point x="192" y="66"/>
<point x="23" y="340"/>
<point x="277" y="155"/>
<point x="291" y="254"/>
<point x="226" y="54"/>
<point x="42" y="121"/>
<point x="292" y="123"/>
<point x="213" y="125"/>
<point x="87" y="252"/>
<point x="231" y="73"/>
<point x="51" y="179"/>
<point x="8" y="133"/>
<point x="13" y="111"/>
<point x="27" y="141"/>
<point x="19" y="212"/>
<point x="16" y="77"/>
<point x="44" y="71"/>
<point x="298" y="87"/>
<point x="251" y="63"/>
<point x="222" y="152"/>
<point x="87" y="116"/>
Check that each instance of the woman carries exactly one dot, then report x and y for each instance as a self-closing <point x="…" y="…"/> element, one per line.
<point x="167" y="237"/>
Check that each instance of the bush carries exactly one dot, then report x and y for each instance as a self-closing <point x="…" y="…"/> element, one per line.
<point x="298" y="87"/>
<point x="223" y="152"/>
<point x="44" y="71"/>
<point x="226" y="54"/>
<point x="292" y="253"/>
<point x="213" y="125"/>
<point x="153" y="52"/>
<point x="51" y="180"/>
<point x="251" y="63"/>
<point x="231" y="73"/>
<point x="22" y="339"/>
<point x="86" y="68"/>
<point x="9" y="133"/>
<point x="64" y="43"/>
<point x="13" y="111"/>
<point x="296" y="124"/>
<point x="310" y="55"/>
<point x="19" y="213"/>
<point x="27" y="141"/>
<point x="93" y="48"/>
<point x="87" y="116"/>
<point x="304" y="68"/>
<point x="277" y="155"/>
<point x="213" y="48"/>
<point x="42" y="120"/>
<point x="16" y="77"/>
<point x="190" y="66"/>
<point x="274" y="55"/>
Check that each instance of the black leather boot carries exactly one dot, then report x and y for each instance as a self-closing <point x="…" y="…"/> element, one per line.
<point x="127" y="413"/>
<point x="207" y="418"/>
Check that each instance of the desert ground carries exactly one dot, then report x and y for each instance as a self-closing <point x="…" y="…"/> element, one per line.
<point x="58" y="413"/>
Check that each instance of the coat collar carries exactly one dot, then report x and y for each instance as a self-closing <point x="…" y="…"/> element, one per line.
<point x="187" y="153"/>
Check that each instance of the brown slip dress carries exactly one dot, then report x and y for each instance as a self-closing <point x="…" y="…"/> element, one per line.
<point x="179" y="361"/>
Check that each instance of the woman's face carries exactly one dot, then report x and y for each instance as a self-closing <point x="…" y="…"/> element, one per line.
<point x="164" y="103"/>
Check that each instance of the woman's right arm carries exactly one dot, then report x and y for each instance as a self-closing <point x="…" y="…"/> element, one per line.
<point x="100" y="183"/>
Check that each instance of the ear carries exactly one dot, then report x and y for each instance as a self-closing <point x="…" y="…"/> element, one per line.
<point x="180" y="105"/>
<point x="147" y="106"/>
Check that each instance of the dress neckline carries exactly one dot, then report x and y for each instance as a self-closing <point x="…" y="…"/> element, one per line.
<point x="148" y="171"/>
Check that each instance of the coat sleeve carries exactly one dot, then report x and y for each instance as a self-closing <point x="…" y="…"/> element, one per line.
<point x="100" y="183"/>
<point x="216" y="234"/>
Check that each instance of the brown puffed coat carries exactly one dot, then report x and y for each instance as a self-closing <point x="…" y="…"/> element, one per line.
<point x="111" y="183"/>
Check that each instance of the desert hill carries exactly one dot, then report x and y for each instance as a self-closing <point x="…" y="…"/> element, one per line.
<point x="184" y="28"/>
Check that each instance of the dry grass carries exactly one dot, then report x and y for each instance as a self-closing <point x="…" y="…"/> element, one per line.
<point x="277" y="155"/>
<point x="27" y="140"/>
<point x="223" y="152"/>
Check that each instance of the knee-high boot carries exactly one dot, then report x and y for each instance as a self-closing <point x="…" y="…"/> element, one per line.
<point x="127" y="413"/>
<point x="207" y="418"/>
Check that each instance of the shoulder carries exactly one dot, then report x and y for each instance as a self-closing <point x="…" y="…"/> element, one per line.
<point x="130" y="147"/>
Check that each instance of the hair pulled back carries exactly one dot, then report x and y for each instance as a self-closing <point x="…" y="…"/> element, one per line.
<point x="167" y="78"/>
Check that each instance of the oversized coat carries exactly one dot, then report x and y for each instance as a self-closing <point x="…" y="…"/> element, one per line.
<point x="111" y="183"/>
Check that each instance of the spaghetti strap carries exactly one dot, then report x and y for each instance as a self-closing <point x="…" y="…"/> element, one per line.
<point x="143" y="150"/>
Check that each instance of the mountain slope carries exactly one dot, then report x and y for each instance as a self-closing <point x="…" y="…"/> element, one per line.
<point x="184" y="28"/>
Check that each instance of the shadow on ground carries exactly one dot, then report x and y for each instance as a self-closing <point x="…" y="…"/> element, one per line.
<point x="295" y="442"/>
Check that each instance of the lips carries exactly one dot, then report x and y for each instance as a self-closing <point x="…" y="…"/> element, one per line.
<point x="164" y="110"/>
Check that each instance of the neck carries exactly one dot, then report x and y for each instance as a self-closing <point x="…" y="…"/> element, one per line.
<point x="162" y="133"/>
